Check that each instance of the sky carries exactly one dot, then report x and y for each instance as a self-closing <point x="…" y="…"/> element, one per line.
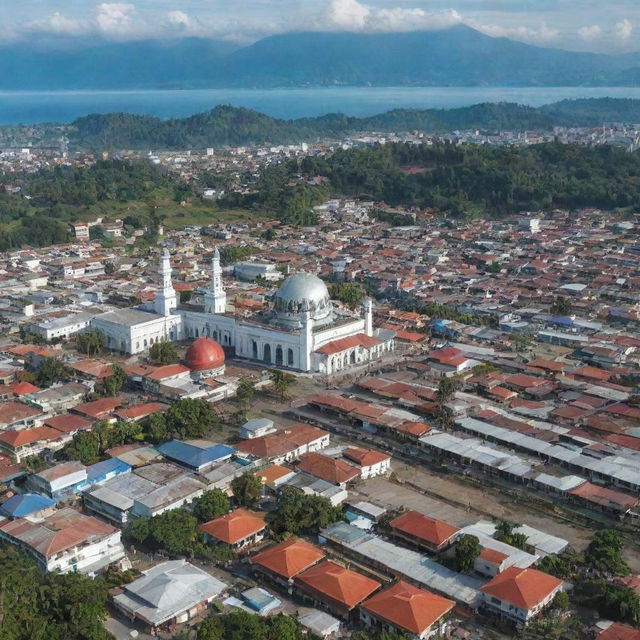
<point x="608" y="26"/>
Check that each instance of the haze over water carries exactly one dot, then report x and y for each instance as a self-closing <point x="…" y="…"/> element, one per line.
<point x="65" y="106"/>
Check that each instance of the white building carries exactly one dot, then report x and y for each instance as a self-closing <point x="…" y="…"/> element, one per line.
<point x="302" y="331"/>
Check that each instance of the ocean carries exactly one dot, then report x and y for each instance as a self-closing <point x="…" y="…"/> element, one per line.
<point x="30" y="107"/>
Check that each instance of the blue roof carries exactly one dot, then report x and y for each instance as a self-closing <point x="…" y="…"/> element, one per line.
<point x="192" y="456"/>
<point x="105" y="468"/>
<point x="23" y="505"/>
<point x="566" y="321"/>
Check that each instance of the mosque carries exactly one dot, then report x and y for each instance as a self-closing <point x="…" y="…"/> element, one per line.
<point x="302" y="330"/>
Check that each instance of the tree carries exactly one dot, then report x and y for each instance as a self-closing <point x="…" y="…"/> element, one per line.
<point x="191" y="418"/>
<point x="247" y="489"/>
<point x="560" y="306"/>
<point x="561" y="566"/>
<point x="212" y="504"/>
<point x="604" y="553"/>
<point x="467" y="550"/>
<point x="163" y="353"/>
<point x="282" y="382"/>
<point x="245" y="392"/>
<point x="113" y="384"/>
<point x="174" y="531"/>
<point x="91" y="342"/>
<point x="211" y="629"/>
<point x="297" y="513"/>
<point x="446" y="389"/>
<point x="348" y="292"/>
<point x="50" y="371"/>
<point x="561" y="601"/>
<point x="155" y="428"/>
<point x="521" y="342"/>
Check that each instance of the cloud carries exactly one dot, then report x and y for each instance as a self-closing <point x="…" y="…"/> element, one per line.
<point x="589" y="34"/>
<point x="542" y="35"/>
<point x="114" y="18"/>
<point x="351" y="15"/>
<point x="624" y="29"/>
<point x="57" y="24"/>
<point x="179" y="19"/>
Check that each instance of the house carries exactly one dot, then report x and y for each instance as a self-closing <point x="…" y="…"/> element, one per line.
<point x="17" y="415"/>
<point x="519" y="594"/>
<point x="287" y="444"/>
<point x="57" y="399"/>
<point x="168" y="594"/>
<point x="320" y="625"/>
<point x="422" y="531"/>
<point x="328" y="469"/>
<point x="407" y="610"/>
<point x="619" y="631"/>
<point x="30" y="442"/>
<point x="140" y="411"/>
<point x="256" y="428"/>
<point x="334" y="587"/>
<point x="282" y="562"/>
<point x="27" y="505"/>
<point x="101" y="409"/>
<point x="239" y="529"/>
<point x="66" y="541"/>
<point x="61" y="482"/>
<point x="372" y="463"/>
<point x="198" y="456"/>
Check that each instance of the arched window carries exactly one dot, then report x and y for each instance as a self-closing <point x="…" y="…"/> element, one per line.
<point x="290" y="357"/>
<point x="279" y="357"/>
<point x="254" y="349"/>
<point x="197" y="333"/>
<point x="146" y="344"/>
<point x="267" y="354"/>
<point x="353" y="357"/>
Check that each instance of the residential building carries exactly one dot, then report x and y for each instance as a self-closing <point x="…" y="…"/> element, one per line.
<point x="371" y="463"/>
<point x="239" y="529"/>
<point x="422" y="531"/>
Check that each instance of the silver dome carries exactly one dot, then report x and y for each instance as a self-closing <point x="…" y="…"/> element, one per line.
<point x="303" y="292"/>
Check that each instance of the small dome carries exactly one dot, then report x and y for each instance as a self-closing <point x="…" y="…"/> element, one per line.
<point x="205" y="354"/>
<point x="303" y="292"/>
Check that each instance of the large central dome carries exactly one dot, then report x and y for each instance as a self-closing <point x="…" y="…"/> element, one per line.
<point x="303" y="292"/>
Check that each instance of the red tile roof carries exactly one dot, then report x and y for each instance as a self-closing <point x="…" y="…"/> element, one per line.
<point x="288" y="558"/>
<point x="365" y="457"/>
<point x="98" y="408"/>
<point x="273" y="472"/>
<point x="142" y="410"/>
<point x="68" y="423"/>
<point x="15" y="439"/>
<point x="281" y="442"/>
<point x="326" y="468"/>
<point x="524" y="588"/>
<point x="167" y="371"/>
<point x="408" y="607"/>
<point x="235" y="526"/>
<point x="329" y="580"/>
<point x="435" y="532"/>
<point x="359" y="340"/>
<point x="619" y="631"/>
<point x="493" y="556"/>
<point x="11" y="412"/>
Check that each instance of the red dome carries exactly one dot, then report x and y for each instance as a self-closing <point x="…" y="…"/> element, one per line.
<point x="204" y="354"/>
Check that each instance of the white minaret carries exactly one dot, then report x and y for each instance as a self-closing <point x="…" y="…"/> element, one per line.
<point x="216" y="297"/>
<point x="165" y="301"/>
<point x="307" y="341"/>
<point x="367" y="308"/>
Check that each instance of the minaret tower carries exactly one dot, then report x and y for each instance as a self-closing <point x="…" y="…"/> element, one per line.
<point x="216" y="297"/>
<point x="165" y="301"/>
<point x="367" y="309"/>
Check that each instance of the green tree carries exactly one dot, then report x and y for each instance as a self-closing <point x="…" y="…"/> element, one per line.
<point x="112" y="385"/>
<point x="247" y="489"/>
<point x="348" y="292"/>
<point x="561" y="601"/>
<point x="446" y="389"/>
<point x="211" y="629"/>
<point x="191" y="418"/>
<point x="50" y="371"/>
<point x="560" y="307"/>
<point x="155" y="428"/>
<point x="174" y="531"/>
<point x="91" y="342"/>
<point x="282" y="382"/>
<point x="211" y="504"/>
<point x="467" y="550"/>
<point x="163" y="353"/>
<point x="296" y="513"/>
<point x="604" y="553"/>
<point x="245" y="392"/>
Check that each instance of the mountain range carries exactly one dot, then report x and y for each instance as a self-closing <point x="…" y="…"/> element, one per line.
<point x="457" y="56"/>
<point x="228" y="125"/>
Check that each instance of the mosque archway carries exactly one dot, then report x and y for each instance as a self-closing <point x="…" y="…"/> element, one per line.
<point x="267" y="354"/>
<point x="290" y="357"/>
<point x="279" y="356"/>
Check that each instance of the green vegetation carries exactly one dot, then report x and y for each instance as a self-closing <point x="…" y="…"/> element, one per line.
<point x="505" y="533"/>
<point x="174" y="531"/>
<point x="446" y="389"/>
<point x="604" y="553"/>
<point x="247" y="489"/>
<point x="239" y="625"/>
<point x="560" y="306"/>
<point x="112" y="385"/>
<point x="470" y="181"/>
<point x="282" y="383"/>
<point x="91" y="342"/>
<point x="298" y="514"/>
<point x="467" y="550"/>
<point x="229" y="254"/>
<point x="611" y="601"/>
<point x="191" y="418"/>
<point x="37" y="606"/>
<point x="51" y="370"/>
<point x="211" y="504"/>
<point x="348" y="292"/>
<point x="163" y="353"/>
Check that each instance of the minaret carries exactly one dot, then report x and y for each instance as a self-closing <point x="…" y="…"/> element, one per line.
<point x="307" y="341"/>
<point x="216" y="299"/>
<point x="165" y="301"/>
<point x="367" y="308"/>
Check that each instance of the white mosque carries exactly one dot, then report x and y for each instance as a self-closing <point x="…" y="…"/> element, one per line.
<point x="302" y="330"/>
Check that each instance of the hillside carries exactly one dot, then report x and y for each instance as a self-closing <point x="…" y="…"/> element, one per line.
<point x="458" y="56"/>
<point x="227" y="125"/>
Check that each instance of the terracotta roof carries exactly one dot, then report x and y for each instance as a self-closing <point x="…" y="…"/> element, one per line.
<point x="493" y="556"/>
<point x="273" y="472"/>
<point x="619" y="631"/>
<point x="234" y="527"/>
<point x="408" y="607"/>
<point x="605" y="497"/>
<point x="68" y="423"/>
<point x="359" y="340"/>
<point x="435" y="532"/>
<point x="98" y="408"/>
<point x="524" y="588"/>
<point x="14" y="411"/>
<point x="331" y="580"/>
<point x="288" y="558"/>
<point x="167" y="371"/>
<point x="365" y="457"/>
<point x="281" y="442"/>
<point x="23" y="388"/>
<point x="16" y="439"/>
<point x="326" y="468"/>
<point x="141" y="410"/>
<point x="93" y="368"/>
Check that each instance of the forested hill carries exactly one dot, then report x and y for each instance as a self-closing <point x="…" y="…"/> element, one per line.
<point x="227" y="125"/>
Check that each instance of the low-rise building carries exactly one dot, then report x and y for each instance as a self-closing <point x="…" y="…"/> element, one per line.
<point x="422" y="531"/>
<point x="239" y="529"/>
<point x="371" y="463"/>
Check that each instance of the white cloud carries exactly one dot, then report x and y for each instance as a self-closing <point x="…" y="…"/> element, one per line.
<point x="179" y="19"/>
<point x="114" y="18"/>
<point x="542" y="35"/>
<point x="57" y="24"/>
<point x="624" y="29"/>
<point x="589" y="34"/>
<point x="351" y="15"/>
